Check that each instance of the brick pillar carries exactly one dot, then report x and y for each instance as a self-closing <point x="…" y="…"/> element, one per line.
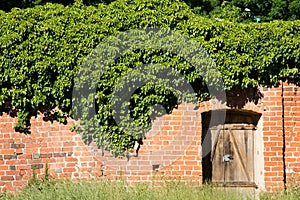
<point x="273" y="143"/>
<point x="291" y="97"/>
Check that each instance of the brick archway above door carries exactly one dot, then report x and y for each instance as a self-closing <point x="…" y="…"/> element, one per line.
<point x="214" y="104"/>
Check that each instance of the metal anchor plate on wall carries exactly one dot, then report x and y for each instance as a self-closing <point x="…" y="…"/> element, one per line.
<point x="227" y="158"/>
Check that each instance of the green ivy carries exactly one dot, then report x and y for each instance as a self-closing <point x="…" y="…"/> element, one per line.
<point x="42" y="49"/>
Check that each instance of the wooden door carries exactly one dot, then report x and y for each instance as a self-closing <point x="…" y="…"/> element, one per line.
<point x="230" y="143"/>
<point x="232" y="155"/>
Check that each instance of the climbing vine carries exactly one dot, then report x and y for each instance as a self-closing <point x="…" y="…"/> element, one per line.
<point x="42" y="49"/>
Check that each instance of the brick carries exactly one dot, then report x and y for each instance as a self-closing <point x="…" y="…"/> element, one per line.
<point x="12" y="172"/>
<point x="3" y="168"/>
<point x="59" y="154"/>
<point x="71" y="159"/>
<point x="191" y="163"/>
<point x="48" y="160"/>
<point x="22" y="167"/>
<point x="37" y="166"/>
<point x="19" y="151"/>
<point x="35" y="156"/>
<point x="12" y="167"/>
<point x="67" y="149"/>
<point x="268" y="174"/>
<point x="270" y="153"/>
<point x="9" y="157"/>
<point x="186" y="168"/>
<point x="270" y="124"/>
<point x="46" y="150"/>
<point x="19" y="183"/>
<point x="7" y="178"/>
<point x="58" y="170"/>
<point x="69" y="170"/>
<point x="69" y="144"/>
<point x="7" y="151"/>
<point x="12" y="162"/>
<point x="273" y="163"/>
<point x="276" y="158"/>
<point x="70" y="164"/>
<point x="46" y="155"/>
<point x="17" y="146"/>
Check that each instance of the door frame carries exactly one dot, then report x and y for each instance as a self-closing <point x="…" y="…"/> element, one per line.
<point x="253" y="122"/>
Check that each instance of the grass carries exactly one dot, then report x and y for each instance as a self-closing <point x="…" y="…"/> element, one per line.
<point x="119" y="190"/>
<point x="293" y="193"/>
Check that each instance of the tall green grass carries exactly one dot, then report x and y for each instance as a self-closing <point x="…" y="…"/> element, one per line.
<point x="292" y="193"/>
<point x="107" y="190"/>
<point x="119" y="190"/>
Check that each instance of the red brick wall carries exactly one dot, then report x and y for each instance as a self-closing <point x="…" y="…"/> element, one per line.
<point x="174" y="143"/>
<point x="292" y="130"/>
<point x="273" y="140"/>
<point x="282" y="105"/>
<point x="51" y="143"/>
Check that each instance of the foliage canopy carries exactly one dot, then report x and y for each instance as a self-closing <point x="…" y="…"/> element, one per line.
<point x="249" y="10"/>
<point x="42" y="49"/>
<point x="234" y="10"/>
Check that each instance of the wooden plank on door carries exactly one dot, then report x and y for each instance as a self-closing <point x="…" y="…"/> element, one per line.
<point x="217" y="155"/>
<point x="238" y="144"/>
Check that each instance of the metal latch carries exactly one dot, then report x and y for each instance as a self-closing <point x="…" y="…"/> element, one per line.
<point x="227" y="158"/>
